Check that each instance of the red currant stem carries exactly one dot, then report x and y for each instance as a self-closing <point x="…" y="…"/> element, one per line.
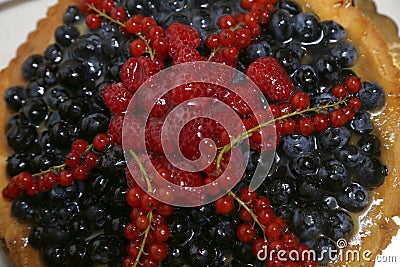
<point x="249" y="132"/>
<point x="143" y="171"/>
<point x="248" y="209"/>
<point x="145" y="235"/>
<point x="104" y="15"/>
<point x="58" y="167"/>
<point x="215" y="50"/>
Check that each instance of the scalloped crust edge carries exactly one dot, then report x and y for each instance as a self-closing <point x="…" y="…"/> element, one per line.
<point x="376" y="226"/>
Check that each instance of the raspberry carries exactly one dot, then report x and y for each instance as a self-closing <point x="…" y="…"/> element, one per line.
<point x="187" y="54"/>
<point x="180" y="36"/>
<point x="188" y="91"/>
<point x="116" y="97"/>
<point x="271" y="78"/>
<point x="137" y="70"/>
<point x="184" y="178"/>
<point x="115" y="129"/>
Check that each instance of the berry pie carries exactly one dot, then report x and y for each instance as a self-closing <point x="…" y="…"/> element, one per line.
<point x="323" y="75"/>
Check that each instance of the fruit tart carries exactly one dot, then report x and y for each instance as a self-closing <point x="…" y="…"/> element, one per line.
<point x="77" y="191"/>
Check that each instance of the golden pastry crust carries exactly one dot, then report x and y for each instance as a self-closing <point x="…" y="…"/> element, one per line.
<point x="375" y="63"/>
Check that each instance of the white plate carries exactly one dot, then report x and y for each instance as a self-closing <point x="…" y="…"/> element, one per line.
<point x="19" y="17"/>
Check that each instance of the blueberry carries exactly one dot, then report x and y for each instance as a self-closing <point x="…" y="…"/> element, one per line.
<point x="370" y="144"/>
<point x="59" y="194"/>
<point x="295" y="144"/>
<point x="305" y="164"/>
<point x="179" y="226"/>
<point x="95" y="69"/>
<point x="43" y="161"/>
<point x="223" y="231"/>
<point x="290" y="6"/>
<point x="55" y="256"/>
<point x="36" y="88"/>
<point x="54" y="53"/>
<point x="104" y="248"/>
<point x="202" y="21"/>
<point x="30" y="66"/>
<point x="72" y="110"/>
<point x="173" y="5"/>
<point x="333" y="31"/>
<point x="281" y="25"/>
<point x="112" y="162"/>
<point x="93" y="124"/>
<point x="87" y="46"/>
<point x="21" y="137"/>
<point x="72" y="15"/>
<point x="361" y="123"/>
<point x="175" y="258"/>
<point x="312" y="188"/>
<point x="48" y="74"/>
<point x="72" y="73"/>
<point x="254" y="51"/>
<point x="56" y="95"/>
<point x="325" y="250"/>
<point x="306" y="78"/>
<point x="333" y="138"/>
<point x="78" y="255"/>
<point x="15" y="97"/>
<point x="339" y="225"/>
<point x="15" y="119"/>
<point x="142" y="7"/>
<point x="111" y="45"/>
<point x="350" y="155"/>
<point x="97" y="215"/>
<point x="354" y="197"/>
<point x="22" y="210"/>
<point x="345" y="53"/>
<point x="281" y="190"/>
<point x="306" y="223"/>
<point x="307" y="27"/>
<point x="371" y="173"/>
<point x="371" y="95"/>
<point x="36" y="237"/>
<point x="18" y="162"/>
<point x="334" y="175"/>
<point x="201" y="252"/>
<point x="288" y="59"/>
<point x="62" y="133"/>
<point x="66" y="34"/>
<point x="328" y="68"/>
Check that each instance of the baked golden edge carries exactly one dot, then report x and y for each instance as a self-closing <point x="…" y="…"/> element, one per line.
<point x="374" y="53"/>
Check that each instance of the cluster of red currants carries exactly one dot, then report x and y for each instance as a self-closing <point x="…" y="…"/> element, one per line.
<point x="256" y="210"/>
<point x="78" y="163"/>
<point x="147" y="232"/>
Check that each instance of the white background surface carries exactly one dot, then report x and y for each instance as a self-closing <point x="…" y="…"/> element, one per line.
<point x="19" y="17"/>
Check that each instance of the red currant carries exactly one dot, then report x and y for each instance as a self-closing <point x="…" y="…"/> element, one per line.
<point x="353" y="84"/>
<point x="299" y="100"/>
<point x="93" y="21"/>
<point x="224" y="205"/>
<point x="246" y="232"/>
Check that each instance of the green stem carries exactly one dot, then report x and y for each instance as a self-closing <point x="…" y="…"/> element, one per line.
<point x="248" y="209"/>
<point x="143" y="171"/>
<point x="123" y="25"/>
<point x="248" y="133"/>
<point x="58" y="167"/>
<point x="146" y="234"/>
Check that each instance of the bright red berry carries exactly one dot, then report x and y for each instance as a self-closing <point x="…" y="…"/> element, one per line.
<point x="337" y="118"/>
<point x="224" y="205"/>
<point x="243" y="37"/>
<point x="246" y="232"/>
<point x="299" y="100"/>
<point x="118" y="13"/>
<point x="354" y="102"/>
<point x="212" y="41"/>
<point x="305" y="125"/>
<point x="353" y="84"/>
<point x="101" y="142"/>
<point x="93" y="21"/>
<point x="226" y="37"/>
<point x="137" y="47"/>
<point x="339" y="91"/>
<point x="79" y="145"/>
<point x="321" y="122"/>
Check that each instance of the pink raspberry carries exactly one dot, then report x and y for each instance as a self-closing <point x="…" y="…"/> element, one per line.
<point x="187" y="54"/>
<point x="116" y="97"/>
<point x="137" y="70"/>
<point x="180" y="36"/>
<point x="271" y="78"/>
<point x="115" y="129"/>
